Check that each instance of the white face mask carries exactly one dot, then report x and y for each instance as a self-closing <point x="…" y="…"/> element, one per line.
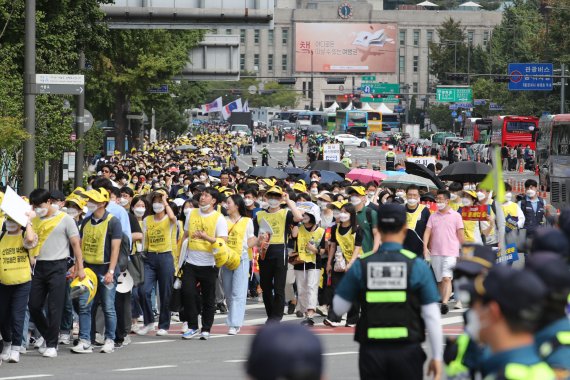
<point x="314" y="191"/>
<point x="72" y="212"/>
<point x="326" y="220"/>
<point x="124" y="202"/>
<point x="508" y="197"/>
<point x="370" y="194"/>
<point x="205" y="208"/>
<point x="453" y="196"/>
<point x="12" y="226"/>
<point x="157" y="207"/>
<point x="466" y="201"/>
<point x="355" y="200"/>
<point x="481" y="195"/>
<point x="344" y="217"/>
<point x="203" y="178"/>
<point x="400" y="194"/>
<point x="41" y="211"/>
<point x="187" y="211"/>
<point x="413" y="201"/>
<point x="92" y="207"/>
<point x="441" y="206"/>
<point x="336" y="213"/>
<point x="531" y="193"/>
<point x="248" y="202"/>
<point x="264" y="205"/>
<point x="55" y="206"/>
<point x="139" y="211"/>
<point x="322" y="205"/>
<point x="273" y="203"/>
<point x="474" y="325"/>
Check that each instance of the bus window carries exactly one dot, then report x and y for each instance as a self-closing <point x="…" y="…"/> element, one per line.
<point x="374" y="116"/>
<point x="520" y="126"/>
<point x="561" y="141"/>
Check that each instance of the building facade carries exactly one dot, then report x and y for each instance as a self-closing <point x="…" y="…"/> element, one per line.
<point x="272" y="54"/>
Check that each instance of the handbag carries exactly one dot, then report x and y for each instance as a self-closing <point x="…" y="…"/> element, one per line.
<point x="339" y="261"/>
<point x="517" y="237"/>
<point x="136" y="268"/>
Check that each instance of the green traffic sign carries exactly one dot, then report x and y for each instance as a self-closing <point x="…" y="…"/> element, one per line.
<point x="388" y="99"/>
<point x="368" y="78"/>
<point x="454" y="94"/>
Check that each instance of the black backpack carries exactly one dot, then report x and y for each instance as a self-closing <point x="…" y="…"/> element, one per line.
<point x="124" y="253"/>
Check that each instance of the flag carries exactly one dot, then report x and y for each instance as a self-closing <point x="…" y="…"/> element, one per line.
<point x="246" y="106"/>
<point x="494" y="180"/>
<point x="230" y="107"/>
<point x="215" y="106"/>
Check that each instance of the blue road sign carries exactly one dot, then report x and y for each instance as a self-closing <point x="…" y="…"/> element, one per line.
<point x="530" y="76"/>
<point x="479" y="102"/>
<point x="495" y="107"/>
<point x="464" y="105"/>
<point x="366" y="89"/>
<point x="162" y="89"/>
<point x="460" y="118"/>
<point x="454" y="114"/>
<point x="453" y="107"/>
<point x="398" y="109"/>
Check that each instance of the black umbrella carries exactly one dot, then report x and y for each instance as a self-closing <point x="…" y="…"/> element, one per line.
<point x="266" y="172"/>
<point x="294" y="171"/>
<point x="465" y="171"/>
<point x="421" y="171"/>
<point x="331" y="166"/>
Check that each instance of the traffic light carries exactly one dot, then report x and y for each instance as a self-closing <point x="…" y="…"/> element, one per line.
<point x="336" y="80"/>
<point x="457" y="77"/>
<point x="286" y="80"/>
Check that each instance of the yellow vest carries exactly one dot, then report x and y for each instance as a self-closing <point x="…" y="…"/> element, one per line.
<point x="277" y="222"/>
<point x="455" y="205"/>
<point x="14" y="261"/>
<point x="413" y="217"/>
<point x="93" y="241"/>
<point x="470" y="229"/>
<point x="158" y="234"/>
<point x="176" y="241"/>
<point x="207" y="224"/>
<point x="43" y="228"/>
<point x="346" y="243"/>
<point x="303" y="238"/>
<point x="237" y="234"/>
<point x="511" y="209"/>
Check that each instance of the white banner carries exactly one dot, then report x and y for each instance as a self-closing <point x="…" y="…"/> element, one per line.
<point x="422" y="160"/>
<point x="331" y="152"/>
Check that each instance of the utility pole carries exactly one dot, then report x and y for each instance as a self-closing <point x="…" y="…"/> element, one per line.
<point x="562" y="88"/>
<point x="312" y="82"/>
<point x="29" y="96"/>
<point x="79" y="128"/>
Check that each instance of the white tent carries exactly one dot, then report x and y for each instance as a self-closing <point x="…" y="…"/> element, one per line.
<point x="470" y="4"/>
<point x="427" y="4"/>
<point x="350" y="107"/>
<point x="333" y="107"/>
<point x="384" y="109"/>
<point x="366" y="107"/>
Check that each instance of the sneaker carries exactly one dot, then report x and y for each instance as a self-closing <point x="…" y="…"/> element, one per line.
<point x="99" y="339"/>
<point x="40" y="341"/>
<point x="184" y="327"/>
<point x="64" y="339"/>
<point x="14" y="357"/>
<point x="50" y="353"/>
<point x="322" y="310"/>
<point x="458" y="305"/>
<point x="140" y="319"/>
<point x="6" y="351"/>
<point x="233" y="330"/>
<point x="349" y="324"/>
<point x="83" y="347"/>
<point x="204" y="335"/>
<point x="43" y="348"/>
<point x="145" y="329"/>
<point x="108" y="347"/>
<point x="291" y="308"/>
<point x="444" y="309"/>
<point x="127" y="341"/>
<point x="119" y="345"/>
<point x="329" y="323"/>
<point x="191" y="333"/>
<point x="135" y="328"/>
<point x="299" y="314"/>
<point x="308" y="321"/>
<point x="23" y="349"/>
<point x="161" y="332"/>
<point x="222" y="308"/>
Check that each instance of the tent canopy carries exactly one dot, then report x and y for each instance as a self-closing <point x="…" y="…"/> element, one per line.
<point x="333" y="107"/>
<point x="427" y="4"/>
<point x="384" y="109"/>
<point x="471" y="4"/>
<point x="350" y="107"/>
<point x="366" y="107"/>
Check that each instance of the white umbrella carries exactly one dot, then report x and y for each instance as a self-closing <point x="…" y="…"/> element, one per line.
<point x="471" y="4"/>
<point x="406" y="180"/>
<point x="427" y="4"/>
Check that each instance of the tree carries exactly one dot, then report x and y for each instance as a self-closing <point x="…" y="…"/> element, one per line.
<point x="12" y="135"/>
<point x="440" y="116"/>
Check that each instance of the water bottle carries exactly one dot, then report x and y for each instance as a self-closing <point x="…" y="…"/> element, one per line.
<point x="177" y="283"/>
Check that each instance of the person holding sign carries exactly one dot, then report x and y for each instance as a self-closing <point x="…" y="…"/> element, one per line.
<point x="471" y="230"/>
<point x="15" y="283"/>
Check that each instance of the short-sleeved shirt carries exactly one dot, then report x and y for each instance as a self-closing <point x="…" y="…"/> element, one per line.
<point x="343" y="230"/>
<point x="366" y="227"/>
<point x="277" y="251"/>
<point x="414" y="238"/>
<point x="201" y="258"/>
<point x="444" y="227"/>
<point x="114" y="231"/>
<point x="422" y="281"/>
<point x="56" y="246"/>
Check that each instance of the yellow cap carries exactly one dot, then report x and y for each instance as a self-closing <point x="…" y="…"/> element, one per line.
<point x="274" y="190"/>
<point x="269" y="182"/>
<point x="356" y="189"/>
<point x="300" y="187"/>
<point x="98" y="196"/>
<point x="339" y="204"/>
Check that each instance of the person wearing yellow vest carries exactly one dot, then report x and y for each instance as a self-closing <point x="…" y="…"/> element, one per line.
<point x="56" y="231"/>
<point x="272" y="260"/>
<point x="417" y="216"/>
<point x="514" y="215"/>
<point x="472" y="228"/>
<point x="306" y="262"/>
<point x="15" y="284"/>
<point x="235" y="282"/>
<point x="203" y="227"/>
<point x="158" y="263"/>
<point x="100" y="242"/>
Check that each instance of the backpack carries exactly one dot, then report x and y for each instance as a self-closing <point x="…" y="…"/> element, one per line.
<point x="124" y="253"/>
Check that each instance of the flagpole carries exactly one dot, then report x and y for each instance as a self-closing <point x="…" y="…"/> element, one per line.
<point x="499" y="216"/>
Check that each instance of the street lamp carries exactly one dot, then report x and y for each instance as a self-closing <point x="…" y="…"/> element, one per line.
<point x="312" y="89"/>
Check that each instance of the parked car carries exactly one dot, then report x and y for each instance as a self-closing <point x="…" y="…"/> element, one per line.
<point x="350" y="140"/>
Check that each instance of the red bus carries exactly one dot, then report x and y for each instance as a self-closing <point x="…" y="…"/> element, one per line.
<point x="515" y="130"/>
<point x="476" y="130"/>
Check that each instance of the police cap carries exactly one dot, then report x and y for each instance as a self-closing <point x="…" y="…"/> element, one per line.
<point x="391" y="217"/>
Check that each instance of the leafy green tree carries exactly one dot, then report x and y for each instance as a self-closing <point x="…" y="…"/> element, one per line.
<point x="12" y="135"/>
<point x="440" y="116"/>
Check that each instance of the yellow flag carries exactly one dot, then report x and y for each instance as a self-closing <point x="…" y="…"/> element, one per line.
<point x="494" y="180"/>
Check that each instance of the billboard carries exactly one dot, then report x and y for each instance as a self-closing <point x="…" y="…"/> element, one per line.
<point x="345" y="47"/>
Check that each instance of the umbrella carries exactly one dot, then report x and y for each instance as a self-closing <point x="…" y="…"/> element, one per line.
<point x="294" y="171"/>
<point x="391" y="173"/>
<point x="326" y="177"/>
<point x="465" y="171"/>
<point x="185" y="147"/>
<point x="422" y="171"/>
<point x="214" y="173"/>
<point x="406" y="180"/>
<point x="266" y="172"/>
<point x="332" y="166"/>
<point x="366" y="175"/>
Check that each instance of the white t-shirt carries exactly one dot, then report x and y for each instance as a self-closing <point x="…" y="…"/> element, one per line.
<point x="248" y="235"/>
<point x="204" y="258"/>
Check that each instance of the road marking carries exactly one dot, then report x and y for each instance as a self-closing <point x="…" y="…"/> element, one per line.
<point x="451" y="321"/>
<point x="155" y="341"/>
<point x="235" y="361"/>
<point x="25" y="377"/>
<point x="144" y="368"/>
<point x="340" y="353"/>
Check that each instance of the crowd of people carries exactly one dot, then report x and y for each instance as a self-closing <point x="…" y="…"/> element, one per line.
<point x="164" y="233"/>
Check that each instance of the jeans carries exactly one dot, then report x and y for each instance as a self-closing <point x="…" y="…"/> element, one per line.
<point x="66" y="324"/>
<point x="235" y="288"/>
<point x="48" y="281"/>
<point x="272" y="275"/>
<point x="87" y="312"/>
<point x="158" y="267"/>
<point x="13" y="303"/>
<point x="206" y="276"/>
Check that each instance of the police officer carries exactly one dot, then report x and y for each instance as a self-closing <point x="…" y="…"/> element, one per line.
<point x="265" y="156"/>
<point x="552" y="340"/>
<point x="346" y="160"/>
<point x="390" y="158"/>
<point x="399" y="301"/>
<point x="291" y="156"/>
<point x="532" y="207"/>
<point x="507" y="305"/>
